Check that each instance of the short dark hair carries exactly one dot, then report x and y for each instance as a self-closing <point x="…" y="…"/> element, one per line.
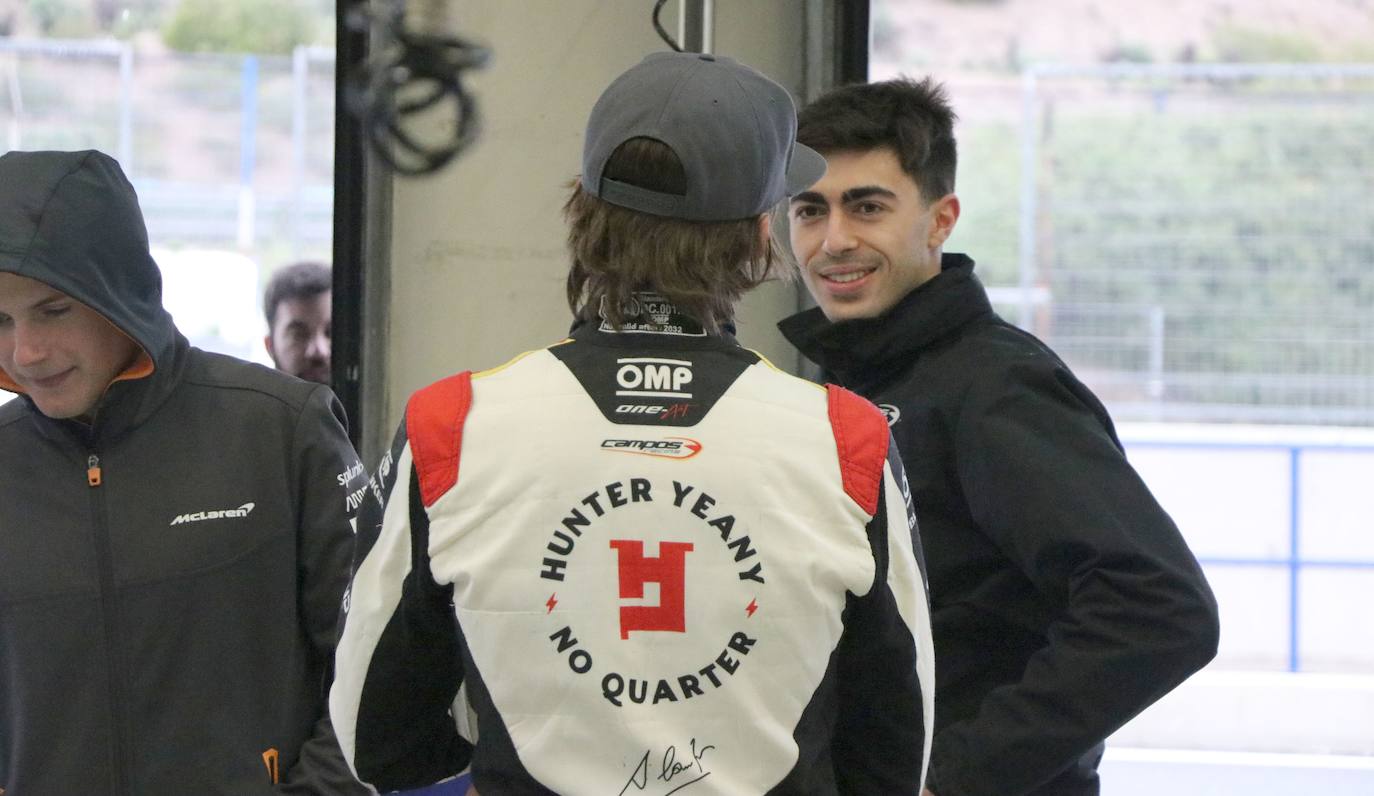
<point x="303" y="280"/>
<point x="912" y="118"/>
<point x="701" y="267"/>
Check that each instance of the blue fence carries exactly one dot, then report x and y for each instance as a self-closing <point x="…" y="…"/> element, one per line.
<point x="228" y="151"/>
<point x="1359" y="463"/>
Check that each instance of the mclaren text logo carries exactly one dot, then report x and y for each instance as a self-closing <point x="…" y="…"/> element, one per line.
<point x="224" y="514"/>
<point x="667" y="448"/>
<point x="651" y="377"/>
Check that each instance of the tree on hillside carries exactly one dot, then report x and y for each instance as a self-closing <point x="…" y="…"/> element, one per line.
<point x="242" y="26"/>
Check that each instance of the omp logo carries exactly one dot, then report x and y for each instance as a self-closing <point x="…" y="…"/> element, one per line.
<point x="653" y="377"/>
<point x="892" y="413"/>
<point x="667" y="448"/>
<point x="658" y="310"/>
<point x="225" y="514"/>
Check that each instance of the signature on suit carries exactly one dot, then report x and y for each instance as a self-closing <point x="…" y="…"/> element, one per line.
<point x="669" y="769"/>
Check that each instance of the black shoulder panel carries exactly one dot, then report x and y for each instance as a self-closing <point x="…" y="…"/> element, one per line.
<point x="657" y="387"/>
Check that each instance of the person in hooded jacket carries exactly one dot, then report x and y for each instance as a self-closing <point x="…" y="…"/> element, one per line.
<point x="174" y="524"/>
<point x="1063" y="598"/>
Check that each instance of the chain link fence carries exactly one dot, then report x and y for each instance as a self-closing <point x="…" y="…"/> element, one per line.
<point x="1197" y="241"/>
<point x="226" y="151"/>
<point x="232" y="157"/>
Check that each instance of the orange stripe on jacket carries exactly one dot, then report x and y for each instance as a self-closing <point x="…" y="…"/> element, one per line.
<point x="861" y="437"/>
<point x="434" y="426"/>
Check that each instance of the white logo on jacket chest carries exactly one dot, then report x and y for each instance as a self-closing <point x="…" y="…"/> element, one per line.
<point x="223" y="514"/>
<point x="892" y="413"/>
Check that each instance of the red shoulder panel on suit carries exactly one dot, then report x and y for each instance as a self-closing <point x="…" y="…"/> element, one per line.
<point x="861" y="437"/>
<point x="434" y="427"/>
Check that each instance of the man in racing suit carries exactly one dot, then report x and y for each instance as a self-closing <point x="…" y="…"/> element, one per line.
<point x="643" y="558"/>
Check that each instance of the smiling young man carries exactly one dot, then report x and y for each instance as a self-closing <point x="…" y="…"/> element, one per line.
<point x="174" y="533"/>
<point x="56" y="350"/>
<point x="1064" y="600"/>
<point x="886" y="242"/>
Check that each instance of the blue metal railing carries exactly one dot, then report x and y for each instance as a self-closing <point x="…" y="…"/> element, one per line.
<point x="1294" y="562"/>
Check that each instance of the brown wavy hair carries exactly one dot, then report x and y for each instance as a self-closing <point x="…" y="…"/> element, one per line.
<point x="912" y="118"/>
<point x="701" y="267"/>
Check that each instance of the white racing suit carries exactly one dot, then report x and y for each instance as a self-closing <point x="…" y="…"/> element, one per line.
<point x="638" y="562"/>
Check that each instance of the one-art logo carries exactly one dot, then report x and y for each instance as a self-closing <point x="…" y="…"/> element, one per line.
<point x="677" y="411"/>
<point x="668" y="570"/>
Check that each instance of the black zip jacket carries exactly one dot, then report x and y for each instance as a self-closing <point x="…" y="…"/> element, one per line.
<point x="170" y="575"/>
<point x="1063" y="599"/>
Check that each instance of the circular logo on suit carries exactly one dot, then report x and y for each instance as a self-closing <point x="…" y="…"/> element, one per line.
<point x="892" y="413"/>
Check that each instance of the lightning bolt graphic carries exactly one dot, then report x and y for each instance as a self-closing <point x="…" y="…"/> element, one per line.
<point x="751" y="608"/>
<point x="553" y="600"/>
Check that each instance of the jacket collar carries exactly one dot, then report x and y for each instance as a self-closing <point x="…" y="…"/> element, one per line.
<point x="657" y="325"/>
<point x="853" y="350"/>
<point x="127" y="403"/>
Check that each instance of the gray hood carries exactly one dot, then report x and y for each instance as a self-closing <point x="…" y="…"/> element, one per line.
<point x="71" y="220"/>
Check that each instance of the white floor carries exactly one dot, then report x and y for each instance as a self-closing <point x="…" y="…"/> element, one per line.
<point x="1152" y="772"/>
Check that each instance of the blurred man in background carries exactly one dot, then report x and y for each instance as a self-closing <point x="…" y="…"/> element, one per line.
<point x="297" y="303"/>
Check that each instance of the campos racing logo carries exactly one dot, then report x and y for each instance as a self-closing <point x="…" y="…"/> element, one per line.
<point x="667" y="448"/>
<point x="238" y="513"/>
<point x="651" y="377"/>
<point x="892" y="413"/>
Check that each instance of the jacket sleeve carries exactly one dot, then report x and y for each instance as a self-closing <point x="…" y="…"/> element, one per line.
<point x="886" y="660"/>
<point x="398" y="666"/>
<point x="1046" y="480"/>
<point x="328" y="479"/>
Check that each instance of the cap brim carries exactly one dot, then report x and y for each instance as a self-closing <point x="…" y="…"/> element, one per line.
<point x="806" y="168"/>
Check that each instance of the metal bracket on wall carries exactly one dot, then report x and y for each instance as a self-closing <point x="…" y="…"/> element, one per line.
<point x="696" y="25"/>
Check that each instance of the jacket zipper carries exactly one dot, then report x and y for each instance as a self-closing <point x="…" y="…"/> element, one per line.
<point x="109" y="620"/>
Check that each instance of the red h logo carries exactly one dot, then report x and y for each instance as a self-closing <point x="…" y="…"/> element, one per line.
<point x="668" y="571"/>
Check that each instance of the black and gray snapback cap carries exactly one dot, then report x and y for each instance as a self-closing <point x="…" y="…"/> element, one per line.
<point x="734" y="130"/>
